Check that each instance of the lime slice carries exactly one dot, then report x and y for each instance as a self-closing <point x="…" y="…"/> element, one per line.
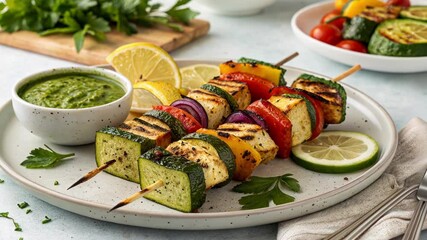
<point x="147" y="94"/>
<point x="415" y="12"/>
<point x="337" y="152"/>
<point x="145" y="62"/>
<point x="196" y="75"/>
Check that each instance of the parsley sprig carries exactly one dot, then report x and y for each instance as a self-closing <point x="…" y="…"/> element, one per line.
<point x="44" y="158"/>
<point x="90" y="17"/>
<point x="266" y="189"/>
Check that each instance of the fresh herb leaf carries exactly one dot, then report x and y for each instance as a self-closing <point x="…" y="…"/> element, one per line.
<point x="28" y="211"/>
<point x="56" y="183"/>
<point x="1" y="181"/>
<point x="44" y="158"/>
<point x="266" y="189"/>
<point x="290" y="182"/>
<point x="79" y="38"/>
<point x="23" y="205"/>
<point x="46" y="220"/>
<point x="17" y="226"/>
<point x="254" y="201"/>
<point x="90" y="17"/>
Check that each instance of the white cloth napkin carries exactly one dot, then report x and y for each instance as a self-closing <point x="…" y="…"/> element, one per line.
<point x="406" y="169"/>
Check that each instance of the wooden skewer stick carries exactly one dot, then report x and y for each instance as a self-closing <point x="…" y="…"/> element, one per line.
<point x="287" y="59"/>
<point x="92" y="173"/>
<point x="135" y="196"/>
<point x="345" y="74"/>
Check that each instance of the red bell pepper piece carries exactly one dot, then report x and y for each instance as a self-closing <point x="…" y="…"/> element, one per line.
<point x="188" y="121"/>
<point x="259" y="87"/>
<point x="280" y="127"/>
<point x="320" y="120"/>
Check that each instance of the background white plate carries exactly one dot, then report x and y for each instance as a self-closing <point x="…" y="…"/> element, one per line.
<point x="308" y="17"/>
<point x="221" y="210"/>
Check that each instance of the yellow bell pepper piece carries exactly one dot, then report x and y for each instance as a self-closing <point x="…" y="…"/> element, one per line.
<point x="340" y="3"/>
<point x="247" y="158"/>
<point x="355" y="7"/>
<point x="271" y="74"/>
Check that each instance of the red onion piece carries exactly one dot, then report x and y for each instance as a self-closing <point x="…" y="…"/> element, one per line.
<point x="245" y="116"/>
<point x="239" y="117"/>
<point x="257" y="119"/>
<point x="194" y="108"/>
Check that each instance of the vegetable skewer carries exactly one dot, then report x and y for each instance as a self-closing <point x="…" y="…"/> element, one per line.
<point x="135" y="196"/>
<point x="92" y="173"/>
<point x="200" y="120"/>
<point x="348" y="72"/>
<point x="287" y="59"/>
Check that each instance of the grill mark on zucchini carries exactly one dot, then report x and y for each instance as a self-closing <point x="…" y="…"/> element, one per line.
<point x="156" y="127"/>
<point x="204" y="93"/>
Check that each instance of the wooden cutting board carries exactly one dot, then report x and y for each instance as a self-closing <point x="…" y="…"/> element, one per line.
<point x="93" y="52"/>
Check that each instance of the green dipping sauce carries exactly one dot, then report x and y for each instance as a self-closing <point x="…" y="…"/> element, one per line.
<point x="71" y="91"/>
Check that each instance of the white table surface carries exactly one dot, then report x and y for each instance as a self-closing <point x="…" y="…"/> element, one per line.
<point x="265" y="36"/>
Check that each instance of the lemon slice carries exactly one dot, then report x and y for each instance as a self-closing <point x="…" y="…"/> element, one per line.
<point x="147" y="94"/>
<point x="145" y="62"/>
<point x="337" y="152"/>
<point x="196" y="75"/>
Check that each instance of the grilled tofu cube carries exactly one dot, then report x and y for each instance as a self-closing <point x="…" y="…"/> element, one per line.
<point x="216" y="107"/>
<point x="149" y="127"/>
<point x="214" y="169"/>
<point x="331" y="96"/>
<point x="255" y="135"/>
<point x="238" y="90"/>
<point x="295" y="108"/>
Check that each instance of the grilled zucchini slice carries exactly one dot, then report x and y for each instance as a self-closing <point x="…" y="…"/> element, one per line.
<point x="149" y="127"/>
<point x="400" y="38"/>
<point x="184" y="183"/>
<point x="124" y="147"/>
<point x="415" y="13"/>
<point x="177" y="129"/>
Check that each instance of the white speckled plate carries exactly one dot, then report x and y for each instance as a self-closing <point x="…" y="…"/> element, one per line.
<point x="221" y="210"/>
<point x="308" y="17"/>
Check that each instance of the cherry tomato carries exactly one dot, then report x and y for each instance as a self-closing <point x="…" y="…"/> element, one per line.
<point x="320" y="120"/>
<point x="352" y="45"/>
<point x="326" y="33"/>
<point x="335" y="18"/>
<point x="330" y="15"/>
<point x="402" y="3"/>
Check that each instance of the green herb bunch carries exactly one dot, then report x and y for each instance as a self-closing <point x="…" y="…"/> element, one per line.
<point x="262" y="190"/>
<point x="89" y="17"/>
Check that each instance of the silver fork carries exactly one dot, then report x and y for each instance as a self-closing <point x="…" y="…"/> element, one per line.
<point x="360" y="225"/>
<point x="414" y="227"/>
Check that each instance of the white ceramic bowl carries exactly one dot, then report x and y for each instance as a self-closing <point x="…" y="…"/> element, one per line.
<point x="72" y="126"/>
<point x="308" y="17"/>
<point x="234" y="7"/>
